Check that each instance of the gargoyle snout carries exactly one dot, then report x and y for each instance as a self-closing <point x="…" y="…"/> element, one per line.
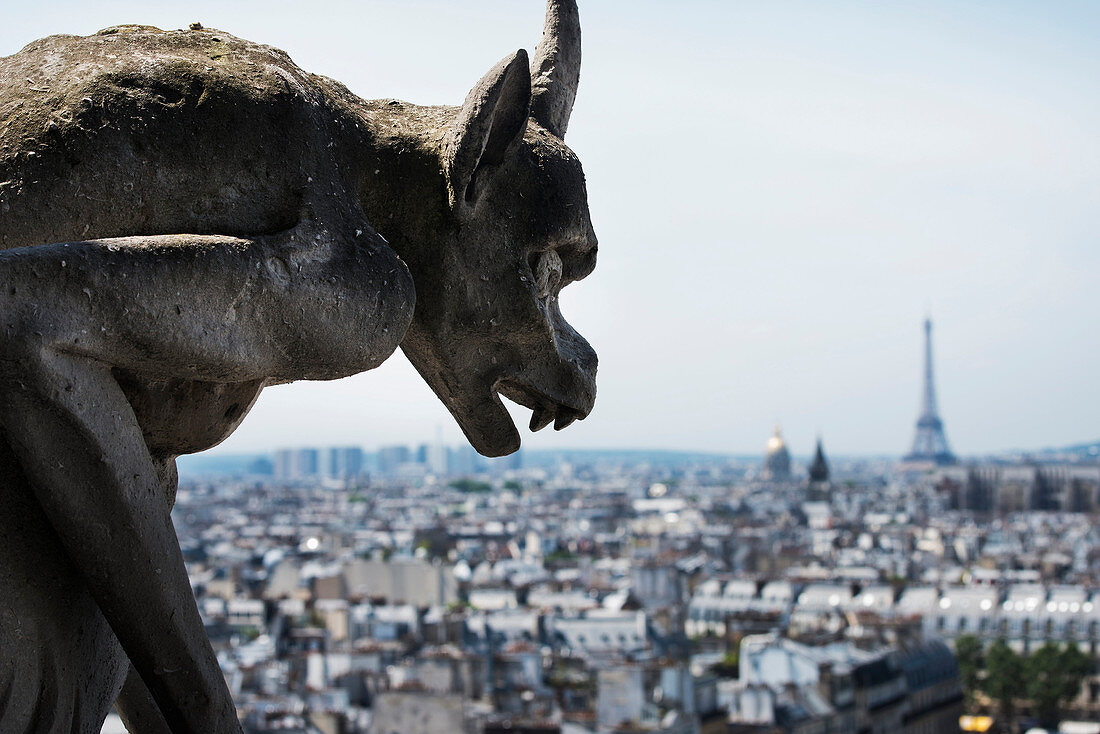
<point x="579" y="359"/>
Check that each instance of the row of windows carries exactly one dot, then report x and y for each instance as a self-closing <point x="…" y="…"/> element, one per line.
<point x="1021" y="626"/>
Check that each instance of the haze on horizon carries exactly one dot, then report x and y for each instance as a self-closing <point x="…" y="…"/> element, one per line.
<point x="782" y="191"/>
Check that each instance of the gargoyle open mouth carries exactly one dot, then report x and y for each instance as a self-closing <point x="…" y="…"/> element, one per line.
<point x="545" y="407"/>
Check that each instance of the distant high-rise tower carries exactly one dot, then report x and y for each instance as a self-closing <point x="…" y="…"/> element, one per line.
<point x="930" y="442"/>
<point x="344" y="462"/>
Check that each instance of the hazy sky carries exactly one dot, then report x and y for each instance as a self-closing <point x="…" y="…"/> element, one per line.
<point x="781" y="190"/>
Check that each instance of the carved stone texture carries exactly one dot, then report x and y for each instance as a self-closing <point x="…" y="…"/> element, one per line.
<point x="187" y="217"/>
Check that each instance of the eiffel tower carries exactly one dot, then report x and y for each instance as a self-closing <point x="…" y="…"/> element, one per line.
<point x="930" y="442"/>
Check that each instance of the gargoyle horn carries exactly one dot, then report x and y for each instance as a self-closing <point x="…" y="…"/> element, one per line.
<point x="556" y="67"/>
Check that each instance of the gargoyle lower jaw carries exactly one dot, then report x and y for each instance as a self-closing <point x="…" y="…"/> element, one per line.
<point x="489" y="427"/>
<point x="546" y="407"/>
<point x="486" y="424"/>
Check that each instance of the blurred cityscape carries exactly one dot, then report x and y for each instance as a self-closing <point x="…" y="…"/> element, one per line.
<point x="427" y="590"/>
<point x="424" y="589"/>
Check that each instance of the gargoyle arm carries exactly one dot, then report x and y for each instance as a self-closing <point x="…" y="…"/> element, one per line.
<point x="137" y="709"/>
<point x="73" y="431"/>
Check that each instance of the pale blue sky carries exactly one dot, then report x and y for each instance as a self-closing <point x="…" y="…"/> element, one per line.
<point x="781" y="190"/>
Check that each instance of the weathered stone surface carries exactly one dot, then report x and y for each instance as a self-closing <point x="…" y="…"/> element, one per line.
<point x="187" y="217"/>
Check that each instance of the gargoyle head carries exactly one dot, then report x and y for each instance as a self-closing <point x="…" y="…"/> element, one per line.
<point x="490" y="262"/>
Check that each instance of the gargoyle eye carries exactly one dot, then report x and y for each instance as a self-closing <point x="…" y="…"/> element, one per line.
<point x="546" y="266"/>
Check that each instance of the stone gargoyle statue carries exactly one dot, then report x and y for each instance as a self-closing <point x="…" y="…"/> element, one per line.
<point x="187" y="217"/>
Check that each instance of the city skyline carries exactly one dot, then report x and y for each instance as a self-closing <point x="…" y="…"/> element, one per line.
<point x="604" y="568"/>
<point x="795" y="188"/>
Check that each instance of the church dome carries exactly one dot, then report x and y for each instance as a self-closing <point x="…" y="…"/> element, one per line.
<point x="777" y="460"/>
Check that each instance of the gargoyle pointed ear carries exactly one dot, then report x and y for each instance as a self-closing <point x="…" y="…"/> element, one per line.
<point x="492" y="118"/>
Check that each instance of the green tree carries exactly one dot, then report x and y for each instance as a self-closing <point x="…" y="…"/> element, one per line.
<point x="559" y="555"/>
<point x="968" y="652"/>
<point x="1004" y="678"/>
<point x="1054" y="675"/>
<point x="732" y="658"/>
<point x="730" y="664"/>
<point x="471" y="486"/>
<point x="1075" y="666"/>
<point x="1043" y="682"/>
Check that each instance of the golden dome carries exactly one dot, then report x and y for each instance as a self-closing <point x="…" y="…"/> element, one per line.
<point x="776" y="442"/>
<point x="777" y="460"/>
